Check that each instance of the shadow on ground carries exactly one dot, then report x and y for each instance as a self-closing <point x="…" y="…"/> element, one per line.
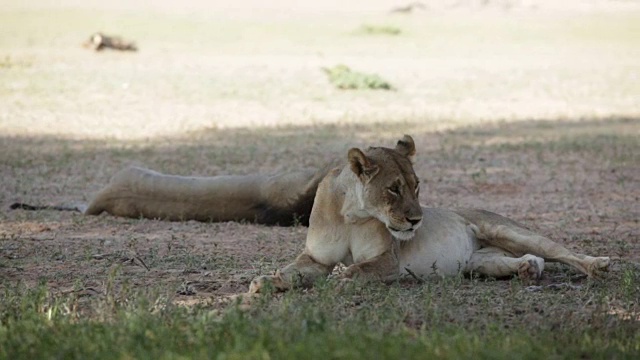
<point x="575" y="181"/>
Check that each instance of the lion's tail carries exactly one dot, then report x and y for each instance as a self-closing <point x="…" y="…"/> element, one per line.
<point x="22" y="206"/>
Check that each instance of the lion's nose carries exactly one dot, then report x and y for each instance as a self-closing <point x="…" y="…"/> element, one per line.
<point x="414" y="221"/>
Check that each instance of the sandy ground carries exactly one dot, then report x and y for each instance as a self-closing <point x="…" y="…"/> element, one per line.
<point x="214" y="65"/>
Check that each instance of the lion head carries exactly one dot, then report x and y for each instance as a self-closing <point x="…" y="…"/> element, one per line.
<point x="388" y="187"/>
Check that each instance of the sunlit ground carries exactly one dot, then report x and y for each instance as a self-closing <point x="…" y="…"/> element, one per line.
<point x="204" y="65"/>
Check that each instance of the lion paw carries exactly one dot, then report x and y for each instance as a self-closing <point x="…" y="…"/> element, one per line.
<point x="598" y="266"/>
<point x="242" y="301"/>
<point x="259" y="284"/>
<point x="530" y="268"/>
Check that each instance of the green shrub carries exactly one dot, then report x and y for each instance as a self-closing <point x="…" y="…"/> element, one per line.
<point x="380" y="30"/>
<point x="342" y="77"/>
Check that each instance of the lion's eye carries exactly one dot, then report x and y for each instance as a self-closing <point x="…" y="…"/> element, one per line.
<point x="394" y="190"/>
<point x="417" y="190"/>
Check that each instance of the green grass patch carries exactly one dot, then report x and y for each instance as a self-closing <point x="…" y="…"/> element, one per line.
<point x="452" y="318"/>
<point x="380" y="30"/>
<point x="342" y="77"/>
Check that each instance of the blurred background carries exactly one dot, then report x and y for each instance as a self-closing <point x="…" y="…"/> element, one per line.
<point x="229" y="64"/>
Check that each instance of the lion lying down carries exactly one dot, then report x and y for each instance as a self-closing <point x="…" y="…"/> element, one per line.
<point x="365" y="215"/>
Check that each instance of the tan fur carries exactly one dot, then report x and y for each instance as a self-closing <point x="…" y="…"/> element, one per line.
<point x="367" y="216"/>
<point x="283" y="199"/>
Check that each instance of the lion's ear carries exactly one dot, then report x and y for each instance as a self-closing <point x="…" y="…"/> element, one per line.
<point x="361" y="165"/>
<point x="407" y="147"/>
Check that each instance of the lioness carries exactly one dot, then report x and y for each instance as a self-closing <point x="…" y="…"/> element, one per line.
<point x="365" y="214"/>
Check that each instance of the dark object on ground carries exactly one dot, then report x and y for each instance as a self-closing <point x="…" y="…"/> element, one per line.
<point x="100" y="41"/>
<point x="408" y="8"/>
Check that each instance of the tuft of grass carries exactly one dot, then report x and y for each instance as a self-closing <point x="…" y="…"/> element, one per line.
<point x="342" y="77"/>
<point x="380" y="30"/>
<point x="8" y="63"/>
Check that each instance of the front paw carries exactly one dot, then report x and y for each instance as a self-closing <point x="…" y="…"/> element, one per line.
<point x="352" y="272"/>
<point x="242" y="301"/>
<point x="267" y="283"/>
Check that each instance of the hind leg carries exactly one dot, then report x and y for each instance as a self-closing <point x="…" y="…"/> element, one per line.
<point x="496" y="262"/>
<point x="520" y="241"/>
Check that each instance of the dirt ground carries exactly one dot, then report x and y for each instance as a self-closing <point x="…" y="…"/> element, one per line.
<point x="549" y="138"/>
<point x="579" y="189"/>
